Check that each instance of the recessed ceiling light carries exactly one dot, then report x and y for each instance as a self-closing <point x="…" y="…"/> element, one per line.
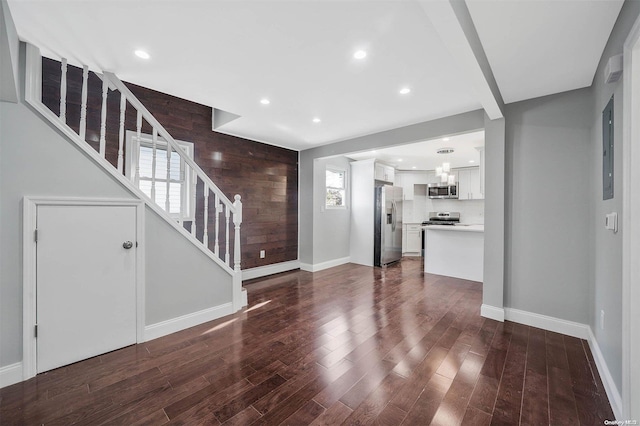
<point x="413" y="167"/>
<point x="142" y="54"/>
<point x="445" y="139"/>
<point x="472" y="161"/>
<point x="265" y="101"/>
<point x="400" y="159"/>
<point x="316" y="120"/>
<point x="404" y="90"/>
<point x="360" y="54"/>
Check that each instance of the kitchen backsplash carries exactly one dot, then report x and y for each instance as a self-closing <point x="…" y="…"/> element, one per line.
<point x="417" y="210"/>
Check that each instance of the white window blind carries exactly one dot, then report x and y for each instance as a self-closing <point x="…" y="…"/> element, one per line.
<point x="176" y="184"/>
<point x="180" y="176"/>
<point x="336" y="188"/>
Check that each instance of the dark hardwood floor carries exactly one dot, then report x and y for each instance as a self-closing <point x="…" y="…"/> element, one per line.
<point x="348" y="345"/>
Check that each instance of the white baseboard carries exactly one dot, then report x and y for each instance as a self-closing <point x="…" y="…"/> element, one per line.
<point x="263" y="271"/>
<point x="545" y="322"/>
<point x="609" y="385"/>
<point x="324" y="265"/>
<point x="492" y="312"/>
<point x="163" y="328"/>
<point x="10" y="374"/>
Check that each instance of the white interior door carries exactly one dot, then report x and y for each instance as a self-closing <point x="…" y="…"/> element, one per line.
<point x="86" y="282"/>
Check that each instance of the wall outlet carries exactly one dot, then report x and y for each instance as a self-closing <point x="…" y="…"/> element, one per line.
<point x="262" y="254"/>
<point x="602" y="319"/>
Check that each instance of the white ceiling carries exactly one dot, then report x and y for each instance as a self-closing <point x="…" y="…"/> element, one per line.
<point x="299" y="55"/>
<point x="542" y="47"/>
<point x="423" y="155"/>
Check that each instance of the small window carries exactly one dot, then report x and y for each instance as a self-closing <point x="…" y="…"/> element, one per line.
<point x="180" y="176"/>
<point x="336" y="188"/>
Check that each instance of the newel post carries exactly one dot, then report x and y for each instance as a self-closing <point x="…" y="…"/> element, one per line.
<point x="237" y="220"/>
<point x="239" y="299"/>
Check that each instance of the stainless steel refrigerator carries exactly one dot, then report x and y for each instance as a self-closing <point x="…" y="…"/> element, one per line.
<point x="387" y="225"/>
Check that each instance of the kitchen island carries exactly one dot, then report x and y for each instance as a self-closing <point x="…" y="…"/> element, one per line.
<point x="454" y="251"/>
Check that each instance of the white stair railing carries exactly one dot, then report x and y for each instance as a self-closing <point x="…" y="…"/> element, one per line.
<point x="221" y="207"/>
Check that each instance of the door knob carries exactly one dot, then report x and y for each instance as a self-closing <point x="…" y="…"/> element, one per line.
<point x="127" y="245"/>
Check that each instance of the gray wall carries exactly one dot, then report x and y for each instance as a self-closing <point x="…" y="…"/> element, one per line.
<point x="37" y="161"/>
<point x="548" y="223"/>
<point x="456" y="124"/>
<point x="180" y="279"/>
<point x="606" y="262"/>
<point x="331" y="227"/>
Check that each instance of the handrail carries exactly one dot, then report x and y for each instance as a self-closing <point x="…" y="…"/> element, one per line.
<point x="135" y="102"/>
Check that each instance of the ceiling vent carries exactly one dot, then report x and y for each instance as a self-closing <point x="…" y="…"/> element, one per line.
<point x="613" y="70"/>
<point x="445" y="150"/>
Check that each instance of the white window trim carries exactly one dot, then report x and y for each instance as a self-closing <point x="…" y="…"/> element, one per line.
<point x="346" y="184"/>
<point x="132" y="152"/>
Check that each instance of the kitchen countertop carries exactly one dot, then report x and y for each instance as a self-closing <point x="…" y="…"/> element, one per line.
<point x="459" y="228"/>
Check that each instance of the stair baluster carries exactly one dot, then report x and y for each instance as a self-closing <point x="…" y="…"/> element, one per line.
<point x="83" y="107"/>
<point x="183" y="194"/>
<point x="216" y="246"/>
<point x="103" y="117"/>
<point x="237" y="221"/>
<point x="63" y="91"/>
<point x="193" y="203"/>
<point x="123" y="107"/>
<point x="167" y="198"/>
<point x="205" y="235"/>
<point x="226" y="234"/>
<point x="154" y="146"/>
<point x="138" y="136"/>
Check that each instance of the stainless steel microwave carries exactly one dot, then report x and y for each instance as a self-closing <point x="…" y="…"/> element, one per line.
<point x="442" y="190"/>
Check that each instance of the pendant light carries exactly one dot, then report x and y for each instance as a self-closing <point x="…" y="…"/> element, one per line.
<point x="444" y="171"/>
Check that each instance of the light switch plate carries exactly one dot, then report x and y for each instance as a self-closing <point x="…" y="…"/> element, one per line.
<point x="611" y="222"/>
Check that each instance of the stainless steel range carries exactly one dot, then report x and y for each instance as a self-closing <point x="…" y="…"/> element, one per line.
<point x="440" y="218"/>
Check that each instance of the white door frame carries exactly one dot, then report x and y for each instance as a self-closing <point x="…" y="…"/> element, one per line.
<point x="30" y="209"/>
<point x="630" y="226"/>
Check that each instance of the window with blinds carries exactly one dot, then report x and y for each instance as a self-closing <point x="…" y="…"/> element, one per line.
<point x="335" y="181"/>
<point x="179" y="178"/>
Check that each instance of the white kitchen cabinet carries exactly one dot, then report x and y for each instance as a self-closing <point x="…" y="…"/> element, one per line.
<point x="469" y="187"/>
<point x="432" y="178"/>
<point x="408" y="180"/>
<point x="404" y="238"/>
<point x="390" y="174"/>
<point x="384" y="172"/>
<point x="414" y="238"/>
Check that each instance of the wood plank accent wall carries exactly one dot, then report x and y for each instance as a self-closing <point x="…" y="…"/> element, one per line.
<point x="264" y="175"/>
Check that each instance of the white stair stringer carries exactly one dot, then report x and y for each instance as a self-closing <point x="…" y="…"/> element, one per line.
<point x="33" y="96"/>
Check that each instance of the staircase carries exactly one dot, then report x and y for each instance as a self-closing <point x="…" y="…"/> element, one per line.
<point x="150" y="163"/>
